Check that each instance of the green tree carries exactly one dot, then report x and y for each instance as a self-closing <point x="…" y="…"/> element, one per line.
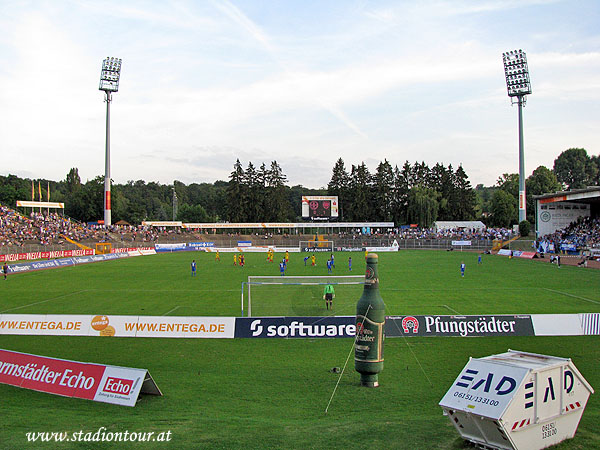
<point x="575" y="168"/>
<point x="192" y="214"/>
<point x="360" y="190"/>
<point x="503" y="209"/>
<point x="465" y="200"/>
<point x="596" y="163"/>
<point x="423" y="206"/>
<point x="255" y="194"/>
<point x="278" y="208"/>
<point x="402" y="185"/>
<point x="509" y="182"/>
<point x="340" y="185"/>
<point x="73" y="181"/>
<point x="237" y="194"/>
<point x="383" y="185"/>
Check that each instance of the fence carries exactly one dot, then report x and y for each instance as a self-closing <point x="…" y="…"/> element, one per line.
<point x="282" y="241"/>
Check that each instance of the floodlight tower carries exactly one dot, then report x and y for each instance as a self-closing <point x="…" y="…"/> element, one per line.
<point x="174" y="205"/>
<point x="109" y="83"/>
<point x="518" y="85"/>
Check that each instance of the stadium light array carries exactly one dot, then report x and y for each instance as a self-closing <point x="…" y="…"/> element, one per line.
<point x="518" y="85"/>
<point x="516" y="73"/>
<point x="109" y="77"/>
<point x="109" y="83"/>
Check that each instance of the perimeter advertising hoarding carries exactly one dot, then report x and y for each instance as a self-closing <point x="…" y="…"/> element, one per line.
<point x="97" y="382"/>
<point x="296" y="327"/>
<point x="63" y="262"/>
<point x="119" y="326"/>
<point x="463" y="326"/>
<point x="45" y="255"/>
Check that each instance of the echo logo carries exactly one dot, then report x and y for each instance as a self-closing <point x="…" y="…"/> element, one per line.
<point x="118" y="386"/>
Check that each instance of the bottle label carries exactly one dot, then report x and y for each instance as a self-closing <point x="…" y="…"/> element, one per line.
<point x="369" y="340"/>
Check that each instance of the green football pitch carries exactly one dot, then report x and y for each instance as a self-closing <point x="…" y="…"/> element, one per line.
<point x="272" y="393"/>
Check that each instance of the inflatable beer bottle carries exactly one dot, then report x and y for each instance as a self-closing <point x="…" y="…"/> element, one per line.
<point x="370" y="322"/>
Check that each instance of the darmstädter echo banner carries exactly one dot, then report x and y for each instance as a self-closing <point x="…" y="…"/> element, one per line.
<point x="97" y="382"/>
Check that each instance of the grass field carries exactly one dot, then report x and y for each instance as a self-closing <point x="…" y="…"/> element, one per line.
<point x="261" y="393"/>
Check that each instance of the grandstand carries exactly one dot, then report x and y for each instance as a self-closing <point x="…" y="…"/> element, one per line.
<point x="39" y="229"/>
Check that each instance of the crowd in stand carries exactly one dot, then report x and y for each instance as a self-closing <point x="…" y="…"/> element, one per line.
<point x="432" y="233"/>
<point x="39" y="228"/>
<point x="582" y="234"/>
<point x="44" y="228"/>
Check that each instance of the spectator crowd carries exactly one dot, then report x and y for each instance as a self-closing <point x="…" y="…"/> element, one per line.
<point x="39" y="228"/>
<point x="582" y="234"/>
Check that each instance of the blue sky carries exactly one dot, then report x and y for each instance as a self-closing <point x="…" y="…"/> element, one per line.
<point x="299" y="82"/>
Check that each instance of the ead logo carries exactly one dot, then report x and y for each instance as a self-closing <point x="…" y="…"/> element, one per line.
<point x="118" y="386"/>
<point x="472" y="380"/>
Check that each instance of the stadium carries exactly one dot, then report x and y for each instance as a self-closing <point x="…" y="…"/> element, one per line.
<point x="267" y="378"/>
<point x="393" y="307"/>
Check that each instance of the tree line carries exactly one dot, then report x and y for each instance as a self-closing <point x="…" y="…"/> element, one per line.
<point x="413" y="193"/>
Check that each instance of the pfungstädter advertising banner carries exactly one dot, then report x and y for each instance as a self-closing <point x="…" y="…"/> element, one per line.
<point x="463" y="326"/>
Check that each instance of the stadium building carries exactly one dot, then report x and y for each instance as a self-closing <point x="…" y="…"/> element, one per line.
<point x="556" y="211"/>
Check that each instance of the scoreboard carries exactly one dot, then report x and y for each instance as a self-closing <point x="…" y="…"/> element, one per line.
<point x="316" y="207"/>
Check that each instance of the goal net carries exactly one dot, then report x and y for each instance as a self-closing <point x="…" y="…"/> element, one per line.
<point x="316" y="246"/>
<point x="300" y="295"/>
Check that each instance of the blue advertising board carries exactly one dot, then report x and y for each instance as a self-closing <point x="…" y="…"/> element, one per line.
<point x="295" y="327"/>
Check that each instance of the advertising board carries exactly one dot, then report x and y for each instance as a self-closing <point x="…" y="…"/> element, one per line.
<point x="295" y="327"/>
<point x="464" y="326"/>
<point x="97" y="382"/>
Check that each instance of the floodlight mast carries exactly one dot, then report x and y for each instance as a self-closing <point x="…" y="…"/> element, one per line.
<point x="518" y="85"/>
<point x="109" y="82"/>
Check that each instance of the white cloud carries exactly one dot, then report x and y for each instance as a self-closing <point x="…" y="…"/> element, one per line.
<point x="205" y="83"/>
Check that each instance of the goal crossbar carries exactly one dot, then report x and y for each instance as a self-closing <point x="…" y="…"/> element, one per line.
<point x="308" y="280"/>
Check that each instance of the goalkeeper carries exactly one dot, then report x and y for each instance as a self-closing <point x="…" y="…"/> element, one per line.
<point x="328" y="296"/>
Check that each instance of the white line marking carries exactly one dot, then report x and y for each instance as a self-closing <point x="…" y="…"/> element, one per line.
<point x="574" y="296"/>
<point x="171" y="310"/>
<point x="43" y="301"/>
<point x="453" y="310"/>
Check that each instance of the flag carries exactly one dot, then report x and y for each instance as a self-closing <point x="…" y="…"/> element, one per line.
<point x="32" y="191"/>
<point x="40" y="189"/>
<point x="48" y="191"/>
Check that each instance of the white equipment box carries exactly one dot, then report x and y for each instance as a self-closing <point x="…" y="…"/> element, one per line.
<point x="517" y="401"/>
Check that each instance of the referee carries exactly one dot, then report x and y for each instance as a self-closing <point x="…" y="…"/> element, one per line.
<point x="328" y="296"/>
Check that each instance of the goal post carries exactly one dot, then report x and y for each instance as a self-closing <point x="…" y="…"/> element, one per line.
<point x="316" y="246"/>
<point x="299" y="295"/>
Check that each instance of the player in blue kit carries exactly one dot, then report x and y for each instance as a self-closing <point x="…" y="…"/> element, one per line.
<point x="462" y="269"/>
<point x="350" y="263"/>
<point x="194" y="268"/>
<point x="282" y="268"/>
<point x="305" y="259"/>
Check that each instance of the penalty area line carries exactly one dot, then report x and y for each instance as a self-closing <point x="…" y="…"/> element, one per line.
<point x="170" y="311"/>
<point x="574" y="296"/>
<point x="452" y="309"/>
<point x="44" y="301"/>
